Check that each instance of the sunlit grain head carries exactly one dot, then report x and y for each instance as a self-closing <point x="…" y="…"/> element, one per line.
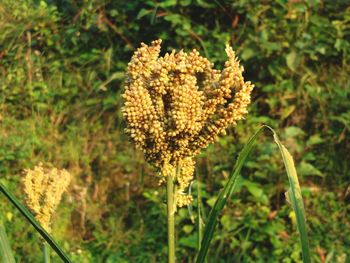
<point x="44" y="187"/>
<point x="177" y="104"/>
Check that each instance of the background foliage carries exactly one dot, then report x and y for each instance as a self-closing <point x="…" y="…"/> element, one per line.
<point x="61" y="74"/>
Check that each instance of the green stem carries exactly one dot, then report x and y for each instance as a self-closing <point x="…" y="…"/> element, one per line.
<point x="199" y="217"/>
<point x="46" y="252"/>
<point x="171" y="219"/>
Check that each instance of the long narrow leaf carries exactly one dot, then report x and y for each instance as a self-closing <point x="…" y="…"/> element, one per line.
<point x="223" y="197"/>
<point x="295" y="196"/>
<point x="28" y="215"/>
<point x="230" y="186"/>
<point x="6" y="254"/>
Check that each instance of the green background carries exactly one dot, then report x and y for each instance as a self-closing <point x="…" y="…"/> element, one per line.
<point x="62" y="65"/>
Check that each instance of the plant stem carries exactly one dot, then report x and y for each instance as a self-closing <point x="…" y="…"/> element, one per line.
<point x="171" y="219"/>
<point x="46" y="252"/>
<point x="199" y="215"/>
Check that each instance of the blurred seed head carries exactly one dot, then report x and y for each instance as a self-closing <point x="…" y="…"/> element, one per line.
<point x="177" y="104"/>
<point x="44" y="187"/>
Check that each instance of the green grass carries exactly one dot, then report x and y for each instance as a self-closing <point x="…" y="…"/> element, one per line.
<point x="6" y="254"/>
<point x="59" y="103"/>
<point x="294" y="194"/>
<point x="32" y="221"/>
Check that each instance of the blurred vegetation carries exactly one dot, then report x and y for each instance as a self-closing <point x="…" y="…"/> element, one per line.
<point x="61" y="74"/>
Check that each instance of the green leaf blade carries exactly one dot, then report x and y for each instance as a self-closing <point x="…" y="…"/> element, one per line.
<point x="6" y="254"/>
<point x="296" y="198"/>
<point x="28" y="215"/>
<point x="224" y="195"/>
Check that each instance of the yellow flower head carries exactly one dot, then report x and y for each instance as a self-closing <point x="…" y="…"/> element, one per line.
<point x="177" y="104"/>
<point x="44" y="188"/>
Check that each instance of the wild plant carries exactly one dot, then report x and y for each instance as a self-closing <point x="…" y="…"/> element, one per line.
<point x="174" y="106"/>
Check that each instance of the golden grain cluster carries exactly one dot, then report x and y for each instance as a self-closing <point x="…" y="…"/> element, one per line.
<point x="177" y="104"/>
<point x="44" y="188"/>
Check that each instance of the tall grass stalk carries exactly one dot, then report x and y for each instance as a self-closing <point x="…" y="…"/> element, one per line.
<point x="46" y="252"/>
<point x="199" y="216"/>
<point x="171" y="206"/>
<point x="171" y="119"/>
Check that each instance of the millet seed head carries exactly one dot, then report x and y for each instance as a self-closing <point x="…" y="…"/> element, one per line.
<point x="177" y="104"/>
<point x="44" y="187"/>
